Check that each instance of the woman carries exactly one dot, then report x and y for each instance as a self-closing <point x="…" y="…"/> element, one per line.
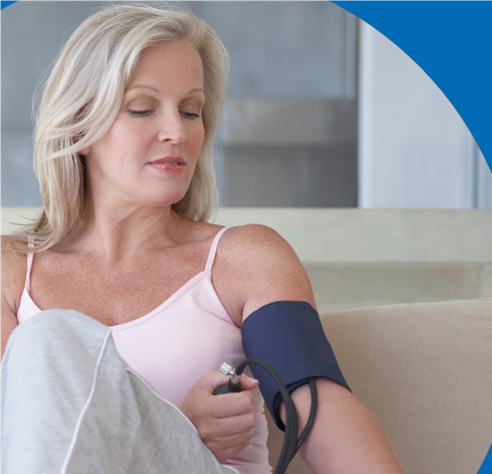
<point x="123" y="149"/>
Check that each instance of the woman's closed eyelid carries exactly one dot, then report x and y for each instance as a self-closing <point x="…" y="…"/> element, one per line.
<point x="140" y="113"/>
<point x="190" y="110"/>
<point x="191" y="115"/>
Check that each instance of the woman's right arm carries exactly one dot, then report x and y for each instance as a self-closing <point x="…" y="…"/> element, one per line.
<point x="9" y="322"/>
<point x="13" y="276"/>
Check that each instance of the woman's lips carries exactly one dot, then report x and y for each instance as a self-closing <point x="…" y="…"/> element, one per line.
<point x="169" y="164"/>
<point x="168" y="160"/>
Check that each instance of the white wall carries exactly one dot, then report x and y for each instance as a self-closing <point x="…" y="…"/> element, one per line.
<point x="414" y="149"/>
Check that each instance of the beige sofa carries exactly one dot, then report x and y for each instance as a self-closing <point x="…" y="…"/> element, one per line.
<point x="425" y="372"/>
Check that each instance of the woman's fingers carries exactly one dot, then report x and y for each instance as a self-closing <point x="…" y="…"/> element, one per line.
<point x="235" y="435"/>
<point x="232" y="426"/>
<point x="217" y="379"/>
<point x="231" y="404"/>
<point x="213" y="380"/>
<point x="228" y="447"/>
<point x="248" y="383"/>
<point x="226" y="422"/>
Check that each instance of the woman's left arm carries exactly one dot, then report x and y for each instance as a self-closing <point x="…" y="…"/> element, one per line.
<point x="345" y="438"/>
<point x="257" y="267"/>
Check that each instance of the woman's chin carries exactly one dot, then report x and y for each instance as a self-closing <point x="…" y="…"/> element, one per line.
<point x="165" y="201"/>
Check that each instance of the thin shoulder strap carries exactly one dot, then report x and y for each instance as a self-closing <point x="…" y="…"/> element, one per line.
<point x="213" y="252"/>
<point x="30" y="255"/>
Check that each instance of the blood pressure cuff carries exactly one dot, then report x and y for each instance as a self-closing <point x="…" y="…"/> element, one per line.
<point x="289" y="336"/>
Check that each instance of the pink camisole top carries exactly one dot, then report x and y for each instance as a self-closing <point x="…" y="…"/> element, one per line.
<point x="173" y="345"/>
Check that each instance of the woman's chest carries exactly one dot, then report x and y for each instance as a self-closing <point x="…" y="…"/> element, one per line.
<point x="110" y="294"/>
<point x="178" y="343"/>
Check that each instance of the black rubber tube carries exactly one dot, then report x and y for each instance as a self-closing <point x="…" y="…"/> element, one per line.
<point x="291" y="442"/>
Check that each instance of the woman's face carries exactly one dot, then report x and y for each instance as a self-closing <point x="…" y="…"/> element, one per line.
<point x="149" y="154"/>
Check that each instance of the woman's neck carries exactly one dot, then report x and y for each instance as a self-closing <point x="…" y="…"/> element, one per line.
<point x="116" y="234"/>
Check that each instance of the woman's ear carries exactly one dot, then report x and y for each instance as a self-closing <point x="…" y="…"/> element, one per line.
<point x="85" y="151"/>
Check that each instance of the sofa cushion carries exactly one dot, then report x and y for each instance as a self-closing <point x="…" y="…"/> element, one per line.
<point x="425" y="371"/>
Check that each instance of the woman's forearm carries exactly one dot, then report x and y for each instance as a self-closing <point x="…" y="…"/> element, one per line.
<point x="345" y="438"/>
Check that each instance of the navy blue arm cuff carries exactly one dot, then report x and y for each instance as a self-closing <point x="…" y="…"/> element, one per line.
<point x="289" y="336"/>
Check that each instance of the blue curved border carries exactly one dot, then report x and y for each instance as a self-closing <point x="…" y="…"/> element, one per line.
<point x="6" y="4"/>
<point x="452" y="42"/>
<point x="487" y="464"/>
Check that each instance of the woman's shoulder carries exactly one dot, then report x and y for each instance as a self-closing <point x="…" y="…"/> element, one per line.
<point x="14" y="267"/>
<point x="253" y="242"/>
<point x="12" y="258"/>
<point x="257" y="266"/>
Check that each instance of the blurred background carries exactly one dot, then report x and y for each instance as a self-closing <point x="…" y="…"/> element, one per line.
<point x="331" y="135"/>
<point x="323" y="111"/>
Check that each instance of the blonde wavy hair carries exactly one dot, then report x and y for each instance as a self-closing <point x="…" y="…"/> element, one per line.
<point x="83" y="95"/>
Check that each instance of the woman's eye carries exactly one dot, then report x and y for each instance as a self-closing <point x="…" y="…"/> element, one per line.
<point x="191" y="116"/>
<point x="140" y="113"/>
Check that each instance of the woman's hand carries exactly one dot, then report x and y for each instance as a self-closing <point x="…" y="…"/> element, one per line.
<point x="225" y="423"/>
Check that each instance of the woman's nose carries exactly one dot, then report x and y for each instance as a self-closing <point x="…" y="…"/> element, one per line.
<point x="172" y="128"/>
